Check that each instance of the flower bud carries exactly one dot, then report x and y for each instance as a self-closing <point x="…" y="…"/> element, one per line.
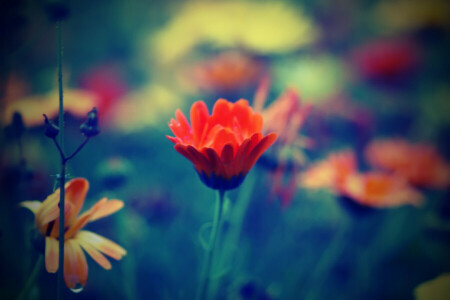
<point x="90" y="127"/>
<point x="51" y="129"/>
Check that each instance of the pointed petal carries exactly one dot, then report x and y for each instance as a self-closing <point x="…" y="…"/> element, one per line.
<point x="214" y="161"/>
<point x="31" y="205"/>
<point x="94" y="253"/>
<point x="202" y="163"/>
<point x="75" y="265"/>
<point x="107" y="208"/>
<point x="48" y="211"/>
<point x="102" y="244"/>
<point x="227" y="154"/>
<point x="75" y="193"/>
<point x="199" y="116"/>
<point x="261" y="93"/>
<point x="259" y="149"/>
<point x="51" y="254"/>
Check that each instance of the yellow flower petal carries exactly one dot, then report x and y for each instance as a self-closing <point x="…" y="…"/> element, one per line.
<point x="106" y="208"/>
<point x="51" y="254"/>
<point x="102" y="244"/>
<point x="31" y="205"/>
<point x="75" y="265"/>
<point x="94" y="253"/>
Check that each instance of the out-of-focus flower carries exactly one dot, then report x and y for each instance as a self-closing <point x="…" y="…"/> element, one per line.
<point x="76" y="102"/>
<point x="269" y="27"/>
<point x="379" y="190"/>
<point x="14" y="88"/>
<point x="415" y="15"/>
<point x="223" y="146"/>
<point x="419" y="163"/>
<point x="330" y="173"/>
<point x="75" y="239"/>
<point x="227" y="72"/>
<point x="284" y="116"/>
<point x="318" y="77"/>
<point x="386" y="58"/>
<point x="284" y="191"/>
<point x="114" y="172"/>
<point x="143" y="108"/>
<point x="435" y="289"/>
<point x="108" y="84"/>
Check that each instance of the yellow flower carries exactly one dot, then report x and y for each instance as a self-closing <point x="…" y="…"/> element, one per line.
<point x="47" y="222"/>
<point x="435" y="289"/>
<point x="76" y="102"/>
<point x="415" y="15"/>
<point x="269" y="27"/>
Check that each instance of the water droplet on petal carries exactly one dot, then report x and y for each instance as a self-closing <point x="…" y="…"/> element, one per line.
<point x="78" y="288"/>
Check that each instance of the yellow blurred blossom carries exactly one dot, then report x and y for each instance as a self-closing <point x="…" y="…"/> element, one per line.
<point x="319" y="77"/>
<point x="268" y="27"/>
<point x="142" y="108"/>
<point x="435" y="289"/>
<point x="415" y="14"/>
<point x="76" y="102"/>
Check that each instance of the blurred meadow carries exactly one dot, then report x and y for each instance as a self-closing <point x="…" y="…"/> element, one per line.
<point x="350" y="202"/>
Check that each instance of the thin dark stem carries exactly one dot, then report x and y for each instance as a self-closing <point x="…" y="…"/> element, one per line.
<point x="78" y="149"/>
<point x="61" y="153"/>
<point x="32" y="278"/>
<point x="209" y="259"/>
<point x="62" y="178"/>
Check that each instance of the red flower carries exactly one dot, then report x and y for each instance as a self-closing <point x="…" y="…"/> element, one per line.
<point x="385" y="59"/>
<point x="223" y="146"/>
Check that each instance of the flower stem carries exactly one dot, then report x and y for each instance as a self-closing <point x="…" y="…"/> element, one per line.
<point x="62" y="177"/>
<point x="32" y="278"/>
<point x="209" y="259"/>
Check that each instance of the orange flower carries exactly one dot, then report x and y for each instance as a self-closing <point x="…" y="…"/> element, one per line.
<point x="47" y="222"/>
<point x="332" y="172"/>
<point x="420" y="164"/>
<point x="223" y="146"/>
<point x="227" y="72"/>
<point x="380" y="190"/>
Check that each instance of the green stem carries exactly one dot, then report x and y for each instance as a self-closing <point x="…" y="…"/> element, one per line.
<point x="228" y="256"/>
<point x="206" y="276"/>
<point x="32" y="278"/>
<point x="62" y="177"/>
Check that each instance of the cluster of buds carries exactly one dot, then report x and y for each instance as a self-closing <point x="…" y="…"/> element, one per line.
<point x="89" y="129"/>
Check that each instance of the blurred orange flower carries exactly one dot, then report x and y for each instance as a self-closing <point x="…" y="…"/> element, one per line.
<point x="379" y="190"/>
<point x="227" y="72"/>
<point x="47" y="222"/>
<point x="330" y="173"/>
<point x="284" y="116"/>
<point x="223" y="146"/>
<point x="419" y="163"/>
